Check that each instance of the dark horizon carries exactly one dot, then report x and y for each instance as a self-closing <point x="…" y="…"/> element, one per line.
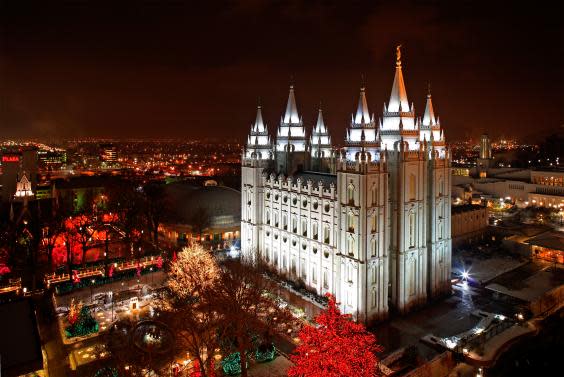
<point x="197" y="70"/>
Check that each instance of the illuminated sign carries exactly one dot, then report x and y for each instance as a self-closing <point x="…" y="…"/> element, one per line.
<point x="9" y="158"/>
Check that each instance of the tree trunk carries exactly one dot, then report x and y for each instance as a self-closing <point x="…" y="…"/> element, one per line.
<point x="69" y="260"/>
<point x="243" y="361"/>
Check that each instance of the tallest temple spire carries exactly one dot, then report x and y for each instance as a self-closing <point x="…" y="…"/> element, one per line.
<point x="291" y="115"/>
<point x="398" y="97"/>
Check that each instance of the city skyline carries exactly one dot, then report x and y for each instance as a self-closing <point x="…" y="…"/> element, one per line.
<point x="124" y="73"/>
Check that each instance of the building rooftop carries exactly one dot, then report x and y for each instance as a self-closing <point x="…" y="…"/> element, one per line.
<point x="551" y="240"/>
<point x="315" y="177"/>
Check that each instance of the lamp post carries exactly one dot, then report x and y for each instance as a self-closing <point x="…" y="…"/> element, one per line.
<point x="91" y="287"/>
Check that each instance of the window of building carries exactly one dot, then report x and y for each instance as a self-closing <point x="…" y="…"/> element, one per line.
<point x="293" y="266"/>
<point x="411" y="280"/>
<point x="350" y="195"/>
<point x="350" y="246"/>
<point x="374" y="194"/>
<point x="373" y="223"/>
<point x="315" y="230"/>
<point x="373" y="247"/>
<point x="285" y="222"/>
<point x="411" y="234"/>
<point x="276" y="222"/>
<point x="350" y="273"/>
<point x="294" y="224"/>
<point x="412" y="187"/>
<point x="350" y="222"/>
<point x="326" y="233"/>
<point x="304" y="227"/>
<point x="373" y="271"/>
<point x="303" y="269"/>
<point x="314" y="274"/>
<point x="267" y="216"/>
<point x="373" y="298"/>
<point x="325" y="278"/>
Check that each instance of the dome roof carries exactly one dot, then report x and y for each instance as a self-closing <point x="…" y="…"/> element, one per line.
<point x="222" y="204"/>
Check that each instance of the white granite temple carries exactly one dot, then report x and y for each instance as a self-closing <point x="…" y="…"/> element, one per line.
<point x="370" y="222"/>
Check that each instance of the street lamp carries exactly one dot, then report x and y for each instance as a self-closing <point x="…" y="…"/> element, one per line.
<point x="91" y="286"/>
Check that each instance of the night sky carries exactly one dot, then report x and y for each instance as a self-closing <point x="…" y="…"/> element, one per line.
<point x="196" y="69"/>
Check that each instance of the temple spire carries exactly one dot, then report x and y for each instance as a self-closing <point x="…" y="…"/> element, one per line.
<point x="429" y="115"/>
<point x="398" y="95"/>
<point x="291" y="115"/>
<point x="320" y="125"/>
<point x="259" y="125"/>
<point x="362" y="114"/>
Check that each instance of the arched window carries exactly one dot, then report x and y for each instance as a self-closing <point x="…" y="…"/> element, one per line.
<point x="350" y="273"/>
<point x="276" y="222"/>
<point x="315" y="230"/>
<point x="326" y="233"/>
<point x="412" y="185"/>
<point x="294" y="224"/>
<point x="411" y="229"/>
<point x="350" y="221"/>
<point x="350" y="245"/>
<point x="441" y="189"/>
<point x="373" y="246"/>
<point x="374" y="194"/>
<point x="267" y="217"/>
<point x="285" y="222"/>
<point x="373" y="223"/>
<point x="373" y="271"/>
<point x="350" y="195"/>
<point x="304" y="227"/>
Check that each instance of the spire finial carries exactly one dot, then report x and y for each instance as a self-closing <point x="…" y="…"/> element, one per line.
<point x="292" y="81"/>
<point x="398" y="55"/>
<point x="429" y="89"/>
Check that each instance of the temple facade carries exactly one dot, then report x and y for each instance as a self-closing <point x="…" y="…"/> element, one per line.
<point x="369" y="222"/>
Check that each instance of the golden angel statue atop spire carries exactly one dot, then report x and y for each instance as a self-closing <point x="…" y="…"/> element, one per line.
<point x="398" y="55"/>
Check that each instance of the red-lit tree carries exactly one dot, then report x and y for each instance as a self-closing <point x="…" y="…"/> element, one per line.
<point x="338" y="347"/>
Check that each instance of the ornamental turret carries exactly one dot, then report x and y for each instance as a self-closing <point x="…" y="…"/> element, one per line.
<point x="258" y="142"/>
<point x="362" y="135"/>
<point x="398" y="114"/>
<point x="320" y="145"/>
<point x="291" y="131"/>
<point x="291" y="138"/>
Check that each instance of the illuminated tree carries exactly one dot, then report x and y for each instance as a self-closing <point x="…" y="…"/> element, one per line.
<point x="190" y="308"/>
<point x="337" y="347"/>
<point x="81" y="225"/>
<point x="70" y="240"/>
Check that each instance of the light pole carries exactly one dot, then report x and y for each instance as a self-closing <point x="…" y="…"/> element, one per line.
<point x="91" y="287"/>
